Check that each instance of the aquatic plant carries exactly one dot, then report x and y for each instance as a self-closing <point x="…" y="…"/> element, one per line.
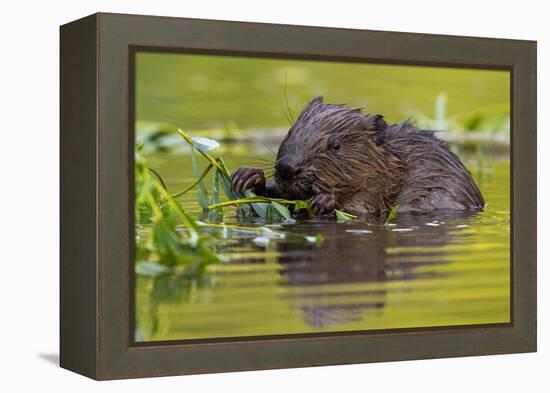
<point x="490" y="119"/>
<point x="158" y="213"/>
<point x="245" y="202"/>
<point x="170" y="241"/>
<point x="172" y="248"/>
<point x="342" y="216"/>
<point x="391" y="215"/>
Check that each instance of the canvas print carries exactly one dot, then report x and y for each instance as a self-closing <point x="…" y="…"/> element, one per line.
<point x="297" y="196"/>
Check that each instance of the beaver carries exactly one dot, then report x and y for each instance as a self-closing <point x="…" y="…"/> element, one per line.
<point x="338" y="157"/>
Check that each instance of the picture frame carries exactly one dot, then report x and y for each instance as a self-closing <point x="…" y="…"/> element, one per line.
<point x="96" y="262"/>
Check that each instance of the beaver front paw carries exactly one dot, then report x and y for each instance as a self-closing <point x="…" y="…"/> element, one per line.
<point x="246" y="178"/>
<point x="323" y="204"/>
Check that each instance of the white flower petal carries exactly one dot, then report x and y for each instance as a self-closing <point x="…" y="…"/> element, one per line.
<point x="205" y="144"/>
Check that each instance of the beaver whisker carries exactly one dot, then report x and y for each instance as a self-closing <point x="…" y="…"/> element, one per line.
<point x="255" y="159"/>
<point x="286" y="101"/>
<point x="273" y="100"/>
<point x="258" y="140"/>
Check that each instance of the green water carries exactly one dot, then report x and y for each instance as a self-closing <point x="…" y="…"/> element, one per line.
<point x="424" y="270"/>
<point x="211" y="92"/>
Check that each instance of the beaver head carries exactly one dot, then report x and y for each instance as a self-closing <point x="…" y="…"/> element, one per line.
<point x="330" y="148"/>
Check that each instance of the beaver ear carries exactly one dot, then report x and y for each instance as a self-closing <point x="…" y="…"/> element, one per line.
<point x="380" y="127"/>
<point x="317" y="100"/>
<point x="379" y="123"/>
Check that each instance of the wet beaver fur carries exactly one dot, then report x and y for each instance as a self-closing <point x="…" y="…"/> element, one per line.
<point x="340" y="158"/>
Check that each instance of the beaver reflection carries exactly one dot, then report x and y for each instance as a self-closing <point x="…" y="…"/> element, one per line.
<point x="356" y="254"/>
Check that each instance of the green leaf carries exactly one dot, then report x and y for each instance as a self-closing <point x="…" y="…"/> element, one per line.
<point x="282" y="210"/>
<point x="229" y="193"/>
<point x="215" y="188"/>
<point x="216" y="214"/>
<point x="392" y="214"/>
<point x="259" y="208"/>
<point x="223" y="165"/>
<point x="202" y="194"/>
<point x="473" y="123"/>
<point x="226" y="183"/>
<point x="245" y="210"/>
<point x="269" y="213"/>
<point x="342" y="216"/>
<point x="300" y="205"/>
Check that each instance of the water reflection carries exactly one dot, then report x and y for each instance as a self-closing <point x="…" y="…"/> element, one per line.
<point x="358" y="253"/>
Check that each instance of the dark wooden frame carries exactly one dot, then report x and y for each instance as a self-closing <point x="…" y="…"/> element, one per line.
<point x="97" y="195"/>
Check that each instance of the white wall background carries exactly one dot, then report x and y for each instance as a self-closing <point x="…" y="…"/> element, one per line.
<point x="29" y="193"/>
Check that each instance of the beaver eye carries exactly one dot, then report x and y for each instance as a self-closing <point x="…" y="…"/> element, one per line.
<point x="335" y="146"/>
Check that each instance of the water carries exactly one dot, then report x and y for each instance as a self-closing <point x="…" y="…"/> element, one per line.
<point x="439" y="270"/>
<point x="199" y="92"/>
<point x="422" y="270"/>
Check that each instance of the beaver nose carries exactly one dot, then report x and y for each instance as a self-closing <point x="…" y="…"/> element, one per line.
<point x="287" y="167"/>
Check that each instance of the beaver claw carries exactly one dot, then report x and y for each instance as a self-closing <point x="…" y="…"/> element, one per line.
<point x="322" y="204"/>
<point x="246" y="178"/>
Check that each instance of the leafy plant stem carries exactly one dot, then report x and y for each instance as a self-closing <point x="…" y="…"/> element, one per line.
<point x="199" y="179"/>
<point x="252" y="200"/>
<point x="159" y="177"/>
<point x="213" y="161"/>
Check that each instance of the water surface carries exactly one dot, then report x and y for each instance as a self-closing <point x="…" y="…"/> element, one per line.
<point x="423" y="270"/>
